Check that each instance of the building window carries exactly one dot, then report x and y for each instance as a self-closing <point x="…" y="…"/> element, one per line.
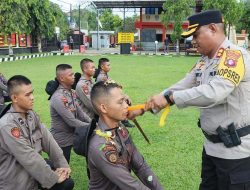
<point x="147" y="17"/>
<point x="157" y="17"/>
<point x="149" y="11"/>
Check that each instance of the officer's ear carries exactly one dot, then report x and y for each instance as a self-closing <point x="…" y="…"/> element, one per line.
<point x="103" y="108"/>
<point x="14" y="98"/>
<point x="213" y="28"/>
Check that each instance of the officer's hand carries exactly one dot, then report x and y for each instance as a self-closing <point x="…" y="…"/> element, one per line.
<point x="65" y="171"/>
<point x="61" y="176"/>
<point x="156" y="102"/>
<point x="133" y="114"/>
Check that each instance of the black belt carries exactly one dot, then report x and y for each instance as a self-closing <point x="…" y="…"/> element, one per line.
<point x="241" y="132"/>
<point x="216" y="139"/>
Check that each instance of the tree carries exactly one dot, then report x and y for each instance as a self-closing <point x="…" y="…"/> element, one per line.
<point x="109" y="21"/>
<point x="129" y="24"/>
<point x="42" y="21"/>
<point x="87" y="18"/>
<point x="231" y="9"/>
<point x="13" y="18"/>
<point x="176" y="11"/>
<point x="60" y="20"/>
<point x="244" y="22"/>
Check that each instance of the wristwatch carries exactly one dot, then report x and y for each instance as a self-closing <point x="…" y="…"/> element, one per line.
<point x="167" y="95"/>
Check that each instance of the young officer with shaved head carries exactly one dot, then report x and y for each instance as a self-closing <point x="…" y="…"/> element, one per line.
<point x="66" y="113"/>
<point x="22" y="139"/>
<point x="85" y="85"/>
<point x="112" y="154"/>
<point x="219" y="85"/>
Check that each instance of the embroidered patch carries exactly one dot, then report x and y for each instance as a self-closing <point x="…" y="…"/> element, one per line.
<point x="231" y="66"/>
<point x="220" y="52"/>
<point x="85" y="89"/>
<point x="112" y="157"/>
<point x="15" y="131"/>
<point x="111" y="153"/>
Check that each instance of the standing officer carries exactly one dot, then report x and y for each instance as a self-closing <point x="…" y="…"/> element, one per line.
<point x="22" y="139"/>
<point x="112" y="154"/>
<point x="66" y="113"/>
<point x="219" y="85"/>
<point x="84" y="86"/>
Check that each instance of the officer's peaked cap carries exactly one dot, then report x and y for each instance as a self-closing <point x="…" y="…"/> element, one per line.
<point x="201" y="19"/>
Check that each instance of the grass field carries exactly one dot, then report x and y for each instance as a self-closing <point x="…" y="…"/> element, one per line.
<point x="175" y="151"/>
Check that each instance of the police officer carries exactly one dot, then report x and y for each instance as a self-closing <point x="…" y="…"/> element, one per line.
<point x="84" y="86"/>
<point x="219" y="85"/>
<point x="22" y="139"/>
<point x="112" y="154"/>
<point x="66" y="113"/>
<point x="101" y="73"/>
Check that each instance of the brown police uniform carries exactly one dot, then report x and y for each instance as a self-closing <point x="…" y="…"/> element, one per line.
<point x="21" y="144"/>
<point x="66" y="115"/>
<point x="83" y="89"/>
<point x="111" y="159"/>
<point x="102" y="76"/>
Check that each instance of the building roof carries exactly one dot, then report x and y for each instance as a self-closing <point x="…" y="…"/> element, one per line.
<point x="127" y="3"/>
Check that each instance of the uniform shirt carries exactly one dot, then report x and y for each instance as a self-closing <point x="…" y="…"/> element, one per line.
<point x="102" y="76"/>
<point x="110" y="162"/>
<point x="3" y="88"/>
<point x="83" y="89"/>
<point x="21" y="144"/>
<point x="66" y="115"/>
<point x="223" y="98"/>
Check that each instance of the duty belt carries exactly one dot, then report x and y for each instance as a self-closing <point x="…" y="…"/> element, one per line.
<point x="230" y="136"/>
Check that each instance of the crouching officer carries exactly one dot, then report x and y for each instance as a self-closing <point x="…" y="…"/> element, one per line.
<point x="112" y="154"/>
<point x="219" y="85"/>
<point x="22" y="139"/>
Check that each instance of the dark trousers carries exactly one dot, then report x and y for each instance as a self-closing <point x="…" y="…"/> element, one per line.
<point x="68" y="184"/>
<point x="224" y="174"/>
<point x="66" y="152"/>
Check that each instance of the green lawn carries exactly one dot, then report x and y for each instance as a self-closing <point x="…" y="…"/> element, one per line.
<point x="175" y="151"/>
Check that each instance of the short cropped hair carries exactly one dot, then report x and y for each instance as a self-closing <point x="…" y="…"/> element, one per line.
<point x="15" y="81"/>
<point x="103" y="60"/>
<point x="102" y="89"/>
<point x="84" y="62"/>
<point x="62" y="67"/>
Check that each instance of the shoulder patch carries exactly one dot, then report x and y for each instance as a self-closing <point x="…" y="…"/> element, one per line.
<point x="111" y="153"/>
<point x="15" y="131"/>
<point x="231" y="66"/>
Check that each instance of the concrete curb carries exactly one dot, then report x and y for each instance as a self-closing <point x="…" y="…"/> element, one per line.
<point x="4" y="59"/>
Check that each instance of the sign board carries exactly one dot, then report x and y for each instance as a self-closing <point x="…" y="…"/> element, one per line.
<point x="57" y="30"/>
<point x="125" y="37"/>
